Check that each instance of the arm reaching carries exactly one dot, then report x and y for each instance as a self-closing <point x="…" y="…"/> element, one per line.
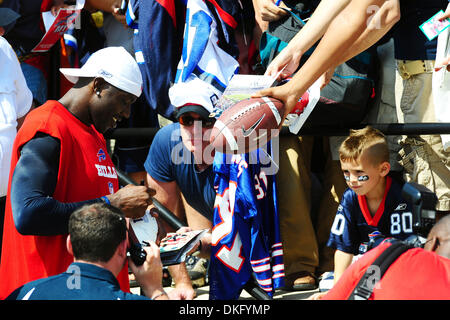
<point x="341" y="262"/>
<point x="267" y="10"/>
<point x="313" y="30"/>
<point x="342" y="33"/>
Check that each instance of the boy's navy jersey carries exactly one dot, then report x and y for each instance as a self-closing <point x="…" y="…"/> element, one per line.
<point x="353" y="222"/>
<point x="245" y="236"/>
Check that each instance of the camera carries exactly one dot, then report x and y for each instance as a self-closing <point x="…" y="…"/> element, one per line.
<point x="137" y="253"/>
<point x="423" y="203"/>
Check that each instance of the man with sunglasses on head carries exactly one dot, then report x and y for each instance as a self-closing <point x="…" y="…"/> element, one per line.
<point x="179" y="165"/>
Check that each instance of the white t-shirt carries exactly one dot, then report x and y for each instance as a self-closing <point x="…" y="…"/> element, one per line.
<point x="15" y="102"/>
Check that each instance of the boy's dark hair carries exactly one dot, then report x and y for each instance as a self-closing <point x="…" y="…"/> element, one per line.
<point x="367" y="139"/>
<point x="96" y="230"/>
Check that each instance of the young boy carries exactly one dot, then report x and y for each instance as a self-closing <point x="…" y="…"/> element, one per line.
<point x="373" y="201"/>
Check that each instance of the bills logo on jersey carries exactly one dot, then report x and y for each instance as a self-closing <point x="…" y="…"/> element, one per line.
<point x="101" y="155"/>
<point x="111" y="187"/>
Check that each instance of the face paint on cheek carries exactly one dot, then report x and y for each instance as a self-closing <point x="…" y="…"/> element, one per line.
<point x="363" y="178"/>
<point x="347" y="178"/>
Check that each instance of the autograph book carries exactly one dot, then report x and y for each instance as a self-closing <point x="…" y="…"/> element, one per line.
<point x="175" y="246"/>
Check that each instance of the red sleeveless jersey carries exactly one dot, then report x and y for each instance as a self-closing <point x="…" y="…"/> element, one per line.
<point x="415" y="275"/>
<point x="85" y="172"/>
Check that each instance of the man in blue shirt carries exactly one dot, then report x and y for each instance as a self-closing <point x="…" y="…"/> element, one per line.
<point x="98" y="241"/>
<point x="179" y="166"/>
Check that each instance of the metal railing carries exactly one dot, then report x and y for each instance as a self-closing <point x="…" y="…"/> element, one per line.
<point x="328" y="130"/>
<point x="338" y="130"/>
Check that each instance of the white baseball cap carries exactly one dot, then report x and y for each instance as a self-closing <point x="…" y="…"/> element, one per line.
<point x="194" y="92"/>
<point x="115" y="65"/>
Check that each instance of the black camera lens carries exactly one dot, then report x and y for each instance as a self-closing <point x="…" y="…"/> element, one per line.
<point x="137" y="254"/>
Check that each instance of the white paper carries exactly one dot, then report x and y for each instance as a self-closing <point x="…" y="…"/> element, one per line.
<point x="145" y="228"/>
<point x="48" y="19"/>
<point x="242" y="86"/>
<point x="441" y="86"/>
<point x="296" y="122"/>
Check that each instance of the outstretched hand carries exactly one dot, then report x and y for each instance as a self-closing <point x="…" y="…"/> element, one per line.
<point x="283" y="93"/>
<point x="269" y="11"/>
<point x="132" y="200"/>
<point x="284" y="64"/>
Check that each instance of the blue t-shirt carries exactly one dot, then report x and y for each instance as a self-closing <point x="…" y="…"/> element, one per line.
<point x="168" y="160"/>
<point x="81" y="281"/>
<point x="409" y="41"/>
<point x="353" y="222"/>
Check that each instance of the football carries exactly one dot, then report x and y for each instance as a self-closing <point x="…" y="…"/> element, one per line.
<point x="247" y="125"/>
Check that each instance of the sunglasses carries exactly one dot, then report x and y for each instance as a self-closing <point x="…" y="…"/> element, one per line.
<point x="187" y="121"/>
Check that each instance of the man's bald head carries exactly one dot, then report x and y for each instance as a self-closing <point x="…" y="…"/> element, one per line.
<point x="439" y="237"/>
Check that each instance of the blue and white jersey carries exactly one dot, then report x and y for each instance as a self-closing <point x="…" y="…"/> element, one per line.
<point x="131" y="9"/>
<point x="162" y="47"/>
<point x="353" y="222"/>
<point x="202" y="57"/>
<point x="245" y="238"/>
<point x="157" y="44"/>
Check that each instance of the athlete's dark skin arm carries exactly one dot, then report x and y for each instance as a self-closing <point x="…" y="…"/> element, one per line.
<point x="36" y="212"/>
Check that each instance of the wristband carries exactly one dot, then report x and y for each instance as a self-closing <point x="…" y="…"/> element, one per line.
<point x="159" y="295"/>
<point x="106" y="200"/>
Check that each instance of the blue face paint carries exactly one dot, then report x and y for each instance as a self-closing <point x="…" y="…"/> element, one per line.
<point x="363" y="178"/>
<point x="346" y="177"/>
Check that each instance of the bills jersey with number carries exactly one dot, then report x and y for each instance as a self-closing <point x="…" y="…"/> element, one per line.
<point x="353" y="222"/>
<point x="246" y="241"/>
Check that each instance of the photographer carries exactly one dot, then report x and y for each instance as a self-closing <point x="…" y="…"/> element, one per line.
<point x="419" y="274"/>
<point x="98" y="241"/>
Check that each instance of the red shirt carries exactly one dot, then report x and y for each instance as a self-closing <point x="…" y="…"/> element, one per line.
<point x="85" y="172"/>
<point x="415" y="275"/>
